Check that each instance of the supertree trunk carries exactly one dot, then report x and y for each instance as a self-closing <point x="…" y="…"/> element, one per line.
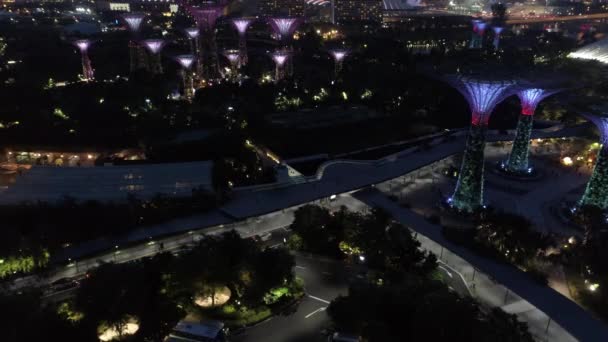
<point x="188" y="85"/>
<point x="243" y="50"/>
<point x="596" y="192"/>
<point x="468" y="195"/>
<point x="518" y="159"/>
<point x="87" y="70"/>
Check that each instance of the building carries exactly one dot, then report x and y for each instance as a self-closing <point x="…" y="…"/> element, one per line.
<point x="290" y="8"/>
<point x="209" y="331"/>
<point x="357" y="10"/>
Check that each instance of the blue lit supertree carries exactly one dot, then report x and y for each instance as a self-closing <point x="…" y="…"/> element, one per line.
<point x="482" y="96"/>
<point x="497" y="31"/>
<point x="596" y="192"/>
<point x="518" y="158"/>
<point x="479" y="29"/>
<point x="241" y="25"/>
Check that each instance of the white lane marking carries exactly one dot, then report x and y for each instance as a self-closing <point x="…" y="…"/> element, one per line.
<point x="319" y="299"/>
<point x="446" y="271"/>
<point x="316" y="311"/>
<point x="300" y="267"/>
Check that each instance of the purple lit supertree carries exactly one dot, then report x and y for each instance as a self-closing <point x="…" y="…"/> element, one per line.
<point x="241" y="25"/>
<point x="87" y="70"/>
<point x="482" y="96"/>
<point x="497" y="31"/>
<point x="518" y="159"/>
<point x="284" y="28"/>
<point x="206" y="17"/>
<point x="338" y="55"/>
<point x="136" y="53"/>
<point x="279" y="57"/>
<point x="186" y="62"/>
<point x="596" y="191"/>
<point x="154" y="46"/>
<point x="193" y="34"/>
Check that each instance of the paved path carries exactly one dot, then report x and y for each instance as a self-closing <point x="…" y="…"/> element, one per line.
<point x="518" y="286"/>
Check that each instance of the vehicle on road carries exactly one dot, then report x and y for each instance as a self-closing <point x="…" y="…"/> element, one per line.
<point x="206" y="331"/>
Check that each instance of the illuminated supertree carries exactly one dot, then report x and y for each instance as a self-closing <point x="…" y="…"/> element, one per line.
<point x="280" y="57"/>
<point x="193" y="34"/>
<point x="338" y="55"/>
<point x="136" y="53"/>
<point x="154" y="46"/>
<point x="87" y="70"/>
<point x="529" y="98"/>
<point x="479" y="29"/>
<point x="596" y="192"/>
<point x="234" y="57"/>
<point x="186" y="62"/>
<point x="497" y="31"/>
<point x="206" y="17"/>
<point x="482" y="96"/>
<point x="241" y="25"/>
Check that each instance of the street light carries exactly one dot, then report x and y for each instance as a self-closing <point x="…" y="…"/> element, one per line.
<point x="362" y="258"/>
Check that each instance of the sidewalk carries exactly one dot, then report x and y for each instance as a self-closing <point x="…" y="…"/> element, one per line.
<point x="550" y="316"/>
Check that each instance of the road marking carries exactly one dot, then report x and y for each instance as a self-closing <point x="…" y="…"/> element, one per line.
<point x="300" y="267"/>
<point x="446" y="271"/>
<point x="319" y="299"/>
<point x="316" y="311"/>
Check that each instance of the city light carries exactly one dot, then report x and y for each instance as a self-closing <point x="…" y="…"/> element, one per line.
<point x="567" y="161"/>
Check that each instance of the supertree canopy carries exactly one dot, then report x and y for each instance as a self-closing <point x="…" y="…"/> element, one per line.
<point x="232" y="56"/>
<point x="133" y="21"/>
<point x="284" y="27"/>
<point x="241" y="25"/>
<point x="596" y="192"/>
<point x="206" y="15"/>
<point x="154" y="45"/>
<point x="83" y="46"/>
<point x="597" y="51"/>
<point x="529" y="98"/>
<point x="185" y="61"/>
<point x="192" y="32"/>
<point x="482" y="96"/>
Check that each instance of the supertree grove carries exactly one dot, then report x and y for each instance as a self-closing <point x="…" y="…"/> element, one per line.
<point x="186" y="62"/>
<point x="154" y="46"/>
<point x="234" y="57"/>
<point x="136" y="53"/>
<point x="338" y="55"/>
<point x="280" y="57"/>
<point x="193" y="34"/>
<point x="596" y="191"/>
<point x="206" y="17"/>
<point x="529" y="98"/>
<point x="241" y="25"/>
<point x="87" y="70"/>
<point x="482" y="96"/>
<point x="497" y="31"/>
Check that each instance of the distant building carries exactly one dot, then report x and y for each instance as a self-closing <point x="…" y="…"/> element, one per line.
<point x="357" y="10"/>
<point x="291" y="8"/>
